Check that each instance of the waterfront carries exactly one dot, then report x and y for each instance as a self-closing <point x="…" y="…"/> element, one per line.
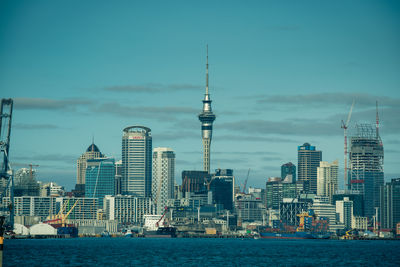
<point x="199" y="252"/>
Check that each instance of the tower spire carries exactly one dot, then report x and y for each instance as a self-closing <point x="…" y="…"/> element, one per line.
<point x="206" y="118"/>
<point x="207" y="73"/>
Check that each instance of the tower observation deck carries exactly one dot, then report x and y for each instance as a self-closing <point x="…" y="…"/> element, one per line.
<point x="206" y="118"/>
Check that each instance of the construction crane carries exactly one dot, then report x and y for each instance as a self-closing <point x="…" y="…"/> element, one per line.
<point x="245" y="182"/>
<point x="30" y="169"/>
<point x="163" y="215"/>
<point x="344" y="127"/>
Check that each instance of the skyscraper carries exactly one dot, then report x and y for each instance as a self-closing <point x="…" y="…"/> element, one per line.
<point x="308" y="162"/>
<point x="163" y="178"/>
<point x="390" y="204"/>
<point x="207" y="118"/>
<point x="288" y="169"/>
<point x="100" y="178"/>
<point x="92" y="152"/>
<point x="366" y="166"/>
<point x="327" y="179"/>
<point x="136" y="161"/>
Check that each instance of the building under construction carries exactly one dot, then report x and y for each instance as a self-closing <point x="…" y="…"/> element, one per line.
<point x="366" y="165"/>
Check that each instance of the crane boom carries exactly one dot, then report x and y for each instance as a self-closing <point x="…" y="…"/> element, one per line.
<point x="245" y="182"/>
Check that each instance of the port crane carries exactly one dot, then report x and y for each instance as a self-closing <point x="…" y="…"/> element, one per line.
<point x="345" y="127"/>
<point x="6" y="172"/>
<point x="163" y="215"/>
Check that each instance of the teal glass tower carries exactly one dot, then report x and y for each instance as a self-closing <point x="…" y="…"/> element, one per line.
<point x="100" y="178"/>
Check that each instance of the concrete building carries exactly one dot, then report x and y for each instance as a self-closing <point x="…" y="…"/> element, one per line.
<point x="276" y="190"/>
<point x="51" y="189"/>
<point x="92" y="152"/>
<point x="40" y="207"/>
<point x="390" y="204"/>
<point x="25" y="183"/>
<point x="136" y="161"/>
<point x="308" y="162"/>
<point x="356" y="197"/>
<point x="359" y="223"/>
<point x="323" y="209"/>
<point x="100" y="179"/>
<point x="85" y="208"/>
<point x="206" y="118"/>
<point x="288" y="169"/>
<point x="366" y="166"/>
<point x="345" y="210"/>
<point x="327" y="179"/>
<point x="249" y="209"/>
<point x="127" y="209"/>
<point x="118" y="177"/>
<point x="163" y="177"/>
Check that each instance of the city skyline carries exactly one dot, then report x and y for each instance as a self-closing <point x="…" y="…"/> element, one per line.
<point x="280" y="76"/>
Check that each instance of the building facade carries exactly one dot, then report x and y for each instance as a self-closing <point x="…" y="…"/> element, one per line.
<point x="100" y="178"/>
<point x="136" y="161"/>
<point x="288" y="170"/>
<point x="163" y="178"/>
<point x="195" y="181"/>
<point x="308" y="162"/>
<point x="390" y="204"/>
<point x="327" y="179"/>
<point x="345" y="210"/>
<point x="92" y="152"/>
<point x="366" y="166"/>
<point x="222" y="186"/>
<point x="127" y="209"/>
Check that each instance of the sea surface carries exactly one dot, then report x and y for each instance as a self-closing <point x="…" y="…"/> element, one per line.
<point x="199" y="252"/>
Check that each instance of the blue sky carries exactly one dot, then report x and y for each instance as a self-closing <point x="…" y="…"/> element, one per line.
<point x="282" y="73"/>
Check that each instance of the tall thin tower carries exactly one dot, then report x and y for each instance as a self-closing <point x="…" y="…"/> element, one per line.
<point x="206" y="118"/>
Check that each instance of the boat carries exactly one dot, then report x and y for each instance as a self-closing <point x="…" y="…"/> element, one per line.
<point x="309" y="228"/>
<point x="161" y="232"/>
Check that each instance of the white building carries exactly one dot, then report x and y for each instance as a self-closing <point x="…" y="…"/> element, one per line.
<point x="127" y="209"/>
<point x="327" y="178"/>
<point x="345" y="210"/>
<point x="163" y="177"/>
<point x="359" y="223"/>
<point x="323" y="209"/>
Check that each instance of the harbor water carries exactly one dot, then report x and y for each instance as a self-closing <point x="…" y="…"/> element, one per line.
<point x="199" y="252"/>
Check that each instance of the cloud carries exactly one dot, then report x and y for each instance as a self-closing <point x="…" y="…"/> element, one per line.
<point x="287" y="127"/>
<point x="152" y="88"/>
<point x="49" y="104"/>
<point x="271" y="158"/>
<point x="69" y="159"/>
<point x="155" y="112"/>
<point x="26" y="126"/>
<point x="249" y="138"/>
<point x="361" y="99"/>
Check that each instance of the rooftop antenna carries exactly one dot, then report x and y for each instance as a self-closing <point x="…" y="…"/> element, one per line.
<point x="207" y="73"/>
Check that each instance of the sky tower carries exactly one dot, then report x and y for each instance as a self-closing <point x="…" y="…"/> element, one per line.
<point x="206" y="118"/>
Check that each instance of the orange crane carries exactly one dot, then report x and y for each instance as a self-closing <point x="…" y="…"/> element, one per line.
<point x="344" y="127"/>
<point x="163" y="215"/>
<point x="30" y="169"/>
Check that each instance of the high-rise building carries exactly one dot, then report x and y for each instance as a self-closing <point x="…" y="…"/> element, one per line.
<point x="25" y="183"/>
<point x="163" y="178"/>
<point x="288" y="169"/>
<point x="127" y="209"/>
<point x="207" y="118"/>
<point x="195" y="181"/>
<point x="92" y="152"/>
<point x="100" y="178"/>
<point x="222" y="186"/>
<point x="345" y="210"/>
<point x="366" y="166"/>
<point x="390" y="204"/>
<point x="118" y="177"/>
<point x="308" y="162"/>
<point x="327" y="179"/>
<point x="136" y="161"/>
<point x="276" y="190"/>
<point x="356" y="198"/>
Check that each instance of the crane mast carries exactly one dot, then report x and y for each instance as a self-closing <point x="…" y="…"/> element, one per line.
<point x="344" y="127"/>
